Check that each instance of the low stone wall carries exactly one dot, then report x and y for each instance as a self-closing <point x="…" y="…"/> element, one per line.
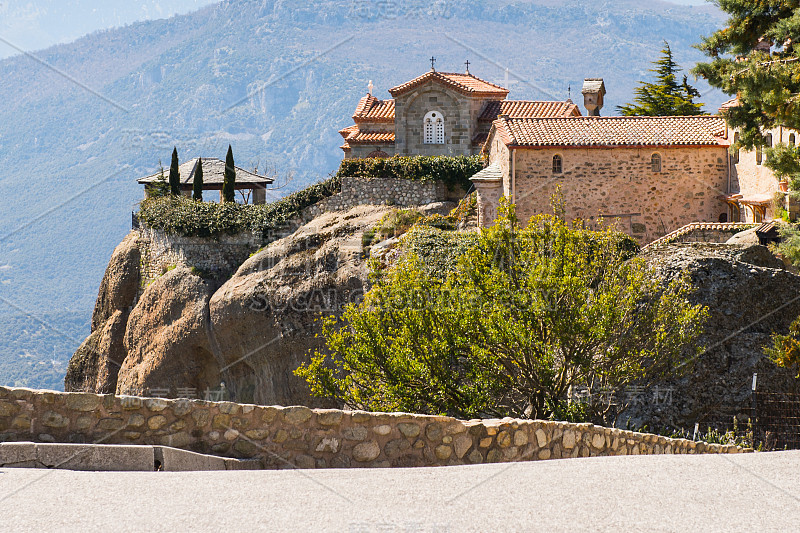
<point x="213" y="257"/>
<point x="313" y="438"/>
<point x="385" y="191"/>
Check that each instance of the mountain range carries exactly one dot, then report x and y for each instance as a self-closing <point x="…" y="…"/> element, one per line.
<point x="275" y="79"/>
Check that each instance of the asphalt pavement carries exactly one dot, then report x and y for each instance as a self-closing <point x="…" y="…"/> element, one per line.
<point x="745" y="492"/>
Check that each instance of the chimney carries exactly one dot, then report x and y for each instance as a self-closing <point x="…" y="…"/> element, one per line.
<point x="593" y="92"/>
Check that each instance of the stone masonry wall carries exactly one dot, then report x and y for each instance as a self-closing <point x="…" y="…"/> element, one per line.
<point x="384" y="191"/>
<point x="619" y="185"/>
<point x="216" y="257"/>
<point x="286" y="437"/>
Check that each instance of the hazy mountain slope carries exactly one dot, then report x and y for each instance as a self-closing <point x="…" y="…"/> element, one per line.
<point x="173" y="82"/>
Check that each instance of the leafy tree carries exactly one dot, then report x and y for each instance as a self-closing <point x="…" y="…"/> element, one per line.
<point x="666" y="97"/>
<point x="756" y="58"/>
<point x="785" y="349"/>
<point x="174" y="174"/>
<point x="784" y="161"/>
<point x="197" y="184"/>
<point x="229" y="179"/>
<point x="524" y="315"/>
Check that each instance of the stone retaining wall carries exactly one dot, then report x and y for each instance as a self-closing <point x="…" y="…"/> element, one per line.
<point x="385" y="191"/>
<point x="212" y="257"/>
<point x="313" y="438"/>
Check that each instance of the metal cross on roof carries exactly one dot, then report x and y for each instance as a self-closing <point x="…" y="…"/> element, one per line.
<point x="433" y="61"/>
<point x="467" y="63"/>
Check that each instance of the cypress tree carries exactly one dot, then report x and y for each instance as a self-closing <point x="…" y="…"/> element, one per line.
<point x="197" y="185"/>
<point x="174" y="174"/>
<point x="229" y="181"/>
<point x="665" y="97"/>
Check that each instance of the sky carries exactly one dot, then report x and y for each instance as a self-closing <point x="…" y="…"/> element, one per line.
<point x="36" y="24"/>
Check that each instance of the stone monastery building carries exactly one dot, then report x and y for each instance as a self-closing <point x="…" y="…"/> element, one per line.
<point x="648" y="175"/>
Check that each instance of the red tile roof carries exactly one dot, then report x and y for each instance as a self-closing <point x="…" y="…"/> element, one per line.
<point x="370" y="109"/>
<point x="352" y="135"/>
<point x="528" y="108"/>
<point x="704" y="130"/>
<point x="464" y="83"/>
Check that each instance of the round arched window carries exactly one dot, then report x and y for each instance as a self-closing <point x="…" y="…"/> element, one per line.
<point x="655" y="163"/>
<point x="433" y="125"/>
<point x="558" y="164"/>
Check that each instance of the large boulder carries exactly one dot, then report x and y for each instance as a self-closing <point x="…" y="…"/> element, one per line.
<point x="167" y="339"/>
<point x="266" y="318"/>
<point x="749" y="297"/>
<point x="97" y="361"/>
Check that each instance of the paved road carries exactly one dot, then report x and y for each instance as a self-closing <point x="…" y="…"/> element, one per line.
<point x="751" y="492"/>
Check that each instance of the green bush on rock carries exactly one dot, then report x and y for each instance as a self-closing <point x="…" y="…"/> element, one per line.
<point x="453" y="171"/>
<point x="507" y="326"/>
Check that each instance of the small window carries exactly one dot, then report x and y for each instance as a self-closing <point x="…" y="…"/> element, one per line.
<point x="759" y="155"/>
<point x="558" y="164"/>
<point x="723" y="217"/>
<point x="655" y="163"/>
<point x="434" y="128"/>
<point x="791" y="139"/>
<point x="768" y="142"/>
<point x="735" y="156"/>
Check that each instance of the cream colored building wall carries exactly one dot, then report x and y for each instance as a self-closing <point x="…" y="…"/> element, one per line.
<point x="618" y="185"/>
<point x="751" y="179"/>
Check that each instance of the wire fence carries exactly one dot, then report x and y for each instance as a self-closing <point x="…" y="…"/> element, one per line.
<point x="767" y="421"/>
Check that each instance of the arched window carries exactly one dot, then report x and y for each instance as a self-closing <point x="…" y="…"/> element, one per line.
<point x="735" y="156"/>
<point x="791" y="139"/>
<point x="434" y="128"/>
<point x="558" y="164"/>
<point x="655" y="163"/>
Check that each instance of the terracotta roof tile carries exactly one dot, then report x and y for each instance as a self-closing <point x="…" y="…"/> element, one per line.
<point x="613" y="131"/>
<point x="346" y="132"/>
<point x="733" y="102"/>
<point x="465" y="83"/>
<point x="528" y="108"/>
<point x="356" y="136"/>
<point x="370" y="109"/>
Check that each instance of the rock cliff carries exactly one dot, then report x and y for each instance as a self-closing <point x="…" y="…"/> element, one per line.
<point x="749" y="295"/>
<point x="185" y="335"/>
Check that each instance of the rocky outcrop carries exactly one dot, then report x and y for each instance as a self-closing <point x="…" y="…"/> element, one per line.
<point x="167" y="339"/>
<point x="749" y="296"/>
<point x="95" y="365"/>
<point x="187" y="336"/>
<point x="266" y="318"/>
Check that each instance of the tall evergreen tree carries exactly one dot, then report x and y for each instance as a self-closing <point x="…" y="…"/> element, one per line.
<point x="174" y="174"/>
<point x="667" y="96"/>
<point x="229" y="180"/>
<point x="757" y="58"/>
<point x="197" y="184"/>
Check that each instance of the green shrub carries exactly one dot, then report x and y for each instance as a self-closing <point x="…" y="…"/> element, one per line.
<point x="183" y="216"/>
<point x="453" y="171"/>
<point x="508" y="326"/>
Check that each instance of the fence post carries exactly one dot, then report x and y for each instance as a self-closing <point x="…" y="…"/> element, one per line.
<point x="754" y="401"/>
